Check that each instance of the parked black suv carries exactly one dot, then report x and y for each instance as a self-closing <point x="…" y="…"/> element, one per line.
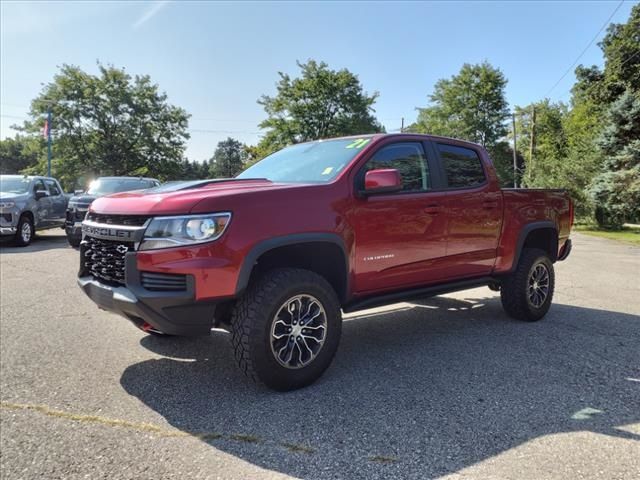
<point x="79" y="203"/>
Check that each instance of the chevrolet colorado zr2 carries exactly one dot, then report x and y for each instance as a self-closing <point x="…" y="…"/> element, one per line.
<point x="277" y="253"/>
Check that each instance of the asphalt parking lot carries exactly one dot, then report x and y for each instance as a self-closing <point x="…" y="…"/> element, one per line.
<point x="446" y="387"/>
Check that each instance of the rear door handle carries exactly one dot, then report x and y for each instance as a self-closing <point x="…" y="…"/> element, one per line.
<point x="433" y="209"/>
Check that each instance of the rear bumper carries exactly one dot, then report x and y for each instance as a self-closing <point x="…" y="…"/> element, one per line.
<point x="170" y="312"/>
<point x="566" y="250"/>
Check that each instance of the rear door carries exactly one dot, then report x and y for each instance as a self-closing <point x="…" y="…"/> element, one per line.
<point x="474" y="210"/>
<point x="400" y="237"/>
<point x="58" y="203"/>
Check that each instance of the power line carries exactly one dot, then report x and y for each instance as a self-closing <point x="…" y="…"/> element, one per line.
<point x="585" y="49"/>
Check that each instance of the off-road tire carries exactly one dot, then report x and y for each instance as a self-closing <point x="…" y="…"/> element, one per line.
<point x="18" y="239"/>
<point x="74" y="240"/>
<point x="252" y="319"/>
<point x="514" y="290"/>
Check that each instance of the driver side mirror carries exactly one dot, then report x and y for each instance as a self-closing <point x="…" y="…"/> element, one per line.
<point x="384" y="180"/>
<point x="41" y="194"/>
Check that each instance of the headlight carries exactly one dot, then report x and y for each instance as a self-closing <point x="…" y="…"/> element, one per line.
<point x="166" y="232"/>
<point x="7" y="204"/>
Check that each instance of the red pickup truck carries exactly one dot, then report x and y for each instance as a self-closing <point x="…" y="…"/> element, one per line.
<point x="275" y="254"/>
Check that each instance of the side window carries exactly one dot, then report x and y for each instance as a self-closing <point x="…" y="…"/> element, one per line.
<point x="410" y="161"/>
<point x="462" y="166"/>
<point x="53" y="188"/>
<point x="39" y="185"/>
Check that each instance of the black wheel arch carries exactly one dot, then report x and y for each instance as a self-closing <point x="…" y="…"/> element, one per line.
<point x="542" y="235"/>
<point x="330" y="259"/>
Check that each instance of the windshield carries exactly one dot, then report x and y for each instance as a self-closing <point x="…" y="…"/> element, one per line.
<point x="314" y="162"/>
<point x="17" y="184"/>
<point x="106" y="186"/>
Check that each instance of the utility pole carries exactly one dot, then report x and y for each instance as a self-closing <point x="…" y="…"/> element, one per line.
<point x="532" y="146"/>
<point x="515" y="155"/>
<point x="49" y="140"/>
<point x="402" y="126"/>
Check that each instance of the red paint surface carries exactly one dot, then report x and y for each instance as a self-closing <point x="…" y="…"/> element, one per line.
<point x="393" y="241"/>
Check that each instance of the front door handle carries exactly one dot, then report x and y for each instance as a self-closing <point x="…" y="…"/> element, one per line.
<point x="433" y="209"/>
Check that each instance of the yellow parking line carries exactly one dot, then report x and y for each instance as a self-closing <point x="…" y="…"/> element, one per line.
<point x="111" y="422"/>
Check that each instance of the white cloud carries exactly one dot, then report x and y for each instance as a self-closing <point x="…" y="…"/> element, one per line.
<point x="150" y="13"/>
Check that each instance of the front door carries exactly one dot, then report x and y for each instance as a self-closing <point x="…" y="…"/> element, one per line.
<point x="400" y="237"/>
<point x="43" y="205"/>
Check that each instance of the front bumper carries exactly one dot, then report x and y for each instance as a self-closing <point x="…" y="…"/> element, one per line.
<point x="73" y="229"/>
<point x="173" y="313"/>
<point x="73" y="221"/>
<point x="9" y="221"/>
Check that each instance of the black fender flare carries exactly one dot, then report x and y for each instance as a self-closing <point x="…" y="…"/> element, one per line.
<point x="524" y="233"/>
<point x="276" y="242"/>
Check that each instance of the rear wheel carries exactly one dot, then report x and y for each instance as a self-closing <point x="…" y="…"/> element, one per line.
<point x="527" y="293"/>
<point x="24" y="232"/>
<point x="286" y="328"/>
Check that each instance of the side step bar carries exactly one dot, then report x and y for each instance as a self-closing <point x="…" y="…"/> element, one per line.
<point x="414" y="293"/>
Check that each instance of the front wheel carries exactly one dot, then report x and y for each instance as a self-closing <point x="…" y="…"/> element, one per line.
<point x="74" y="240"/>
<point x="527" y="293"/>
<point x="24" y="232"/>
<point x="286" y="328"/>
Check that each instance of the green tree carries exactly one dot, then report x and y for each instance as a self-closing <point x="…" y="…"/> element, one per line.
<point x="546" y="168"/>
<point x="228" y="159"/>
<point x="109" y="124"/>
<point x="616" y="191"/>
<point x="471" y="106"/>
<point x="320" y="103"/>
<point x="19" y="153"/>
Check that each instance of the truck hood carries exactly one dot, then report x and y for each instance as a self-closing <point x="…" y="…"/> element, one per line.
<point x="178" y="202"/>
<point x="83" y="200"/>
<point x="13" y="196"/>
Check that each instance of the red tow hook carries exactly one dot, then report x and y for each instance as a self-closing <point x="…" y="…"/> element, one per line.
<point x="146" y="327"/>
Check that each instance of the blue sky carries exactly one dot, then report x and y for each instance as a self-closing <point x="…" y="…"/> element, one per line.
<point x="215" y="59"/>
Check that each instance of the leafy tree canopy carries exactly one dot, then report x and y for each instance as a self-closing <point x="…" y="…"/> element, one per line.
<point x="320" y="103"/>
<point x="109" y="124"/>
<point x="228" y="159"/>
<point x="19" y="153"/>
<point x="470" y="105"/>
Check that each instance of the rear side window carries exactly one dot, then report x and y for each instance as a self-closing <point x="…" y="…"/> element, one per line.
<point x="53" y="188"/>
<point x="462" y="166"/>
<point x="39" y="185"/>
<point x="409" y="160"/>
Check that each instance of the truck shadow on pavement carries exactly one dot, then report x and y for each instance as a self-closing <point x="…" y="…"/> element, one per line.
<point x="41" y="242"/>
<point x="419" y="391"/>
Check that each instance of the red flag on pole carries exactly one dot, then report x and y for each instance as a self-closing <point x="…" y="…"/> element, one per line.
<point x="45" y="129"/>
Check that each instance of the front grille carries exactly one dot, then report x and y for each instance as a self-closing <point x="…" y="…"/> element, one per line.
<point x="104" y="259"/>
<point x="163" y="281"/>
<point x="7" y="217"/>
<point x="128" y="220"/>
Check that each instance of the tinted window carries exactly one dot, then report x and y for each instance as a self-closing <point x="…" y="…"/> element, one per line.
<point x="462" y="166"/>
<point x="53" y="188"/>
<point x="39" y="185"/>
<point x="409" y="160"/>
